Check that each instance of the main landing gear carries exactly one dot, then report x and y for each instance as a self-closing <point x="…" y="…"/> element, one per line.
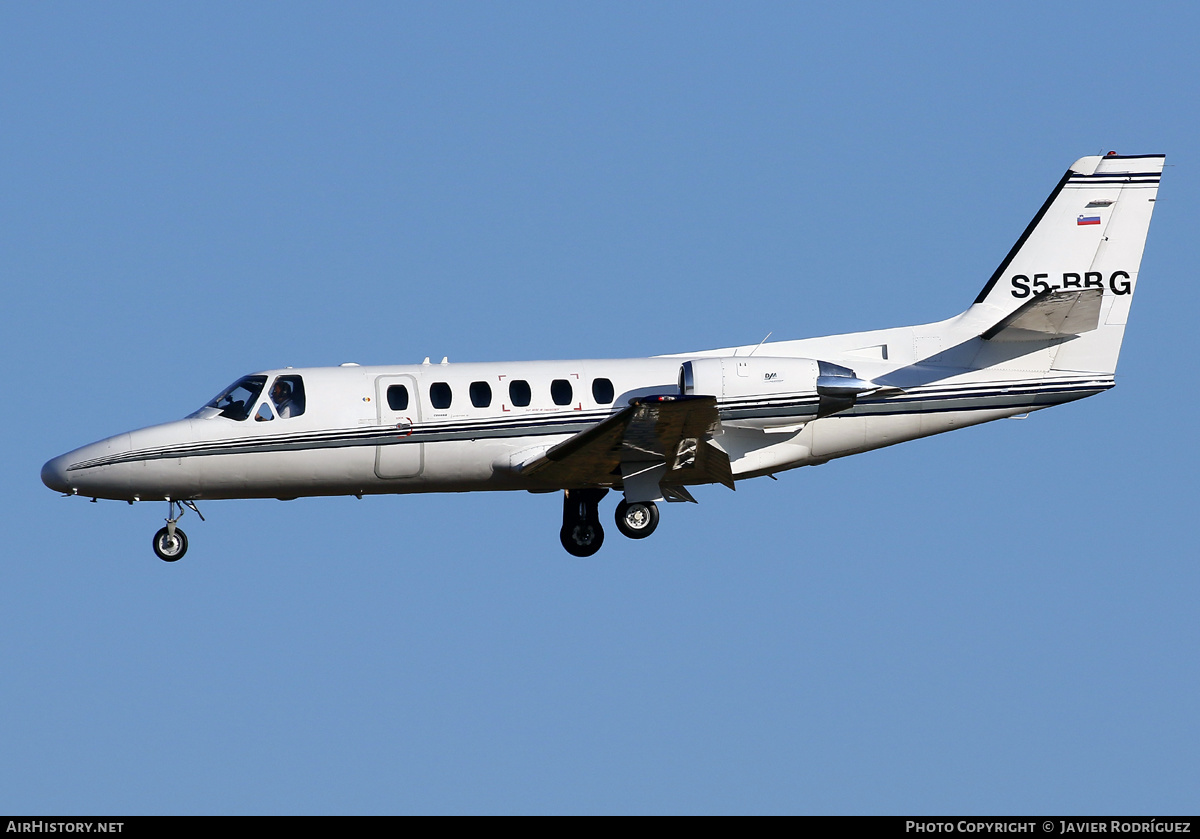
<point x="637" y="520"/>
<point x="581" y="532"/>
<point x="170" y="543"/>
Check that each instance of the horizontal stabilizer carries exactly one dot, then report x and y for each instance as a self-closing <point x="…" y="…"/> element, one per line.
<point x="1052" y="314"/>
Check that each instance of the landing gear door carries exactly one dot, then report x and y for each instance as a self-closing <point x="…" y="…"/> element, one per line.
<point x="399" y="407"/>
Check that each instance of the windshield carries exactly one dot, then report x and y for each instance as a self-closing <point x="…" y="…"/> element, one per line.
<point x="239" y="399"/>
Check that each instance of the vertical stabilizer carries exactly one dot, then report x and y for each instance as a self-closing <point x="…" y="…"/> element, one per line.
<point x="1087" y="238"/>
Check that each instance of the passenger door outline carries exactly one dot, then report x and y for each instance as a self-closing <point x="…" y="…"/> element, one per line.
<point x="404" y="459"/>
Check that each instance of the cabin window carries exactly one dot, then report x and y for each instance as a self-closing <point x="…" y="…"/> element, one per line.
<point x="481" y="394"/>
<point x="602" y="391"/>
<point x="287" y="394"/>
<point x="440" y="395"/>
<point x="560" y="392"/>
<point x="397" y="397"/>
<point x="264" y="413"/>
<point x="238" y="400"/>
<point x="519" y="393"/>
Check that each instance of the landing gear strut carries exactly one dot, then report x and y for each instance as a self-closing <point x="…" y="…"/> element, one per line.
<point x="170" y="543"/>
<point x="638" y="519"/>
<point x="581" y="532"/>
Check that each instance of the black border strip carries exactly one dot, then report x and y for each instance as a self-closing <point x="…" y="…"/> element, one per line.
<point x="1024" y="236"/>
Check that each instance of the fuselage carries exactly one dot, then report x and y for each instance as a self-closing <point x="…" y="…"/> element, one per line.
<point x="471" y="426"/>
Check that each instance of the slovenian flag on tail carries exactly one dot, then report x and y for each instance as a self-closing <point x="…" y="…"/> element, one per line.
<point x="1088" y="220"/>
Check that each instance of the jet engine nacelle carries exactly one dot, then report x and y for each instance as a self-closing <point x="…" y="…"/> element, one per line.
<point x="731" y="377"/>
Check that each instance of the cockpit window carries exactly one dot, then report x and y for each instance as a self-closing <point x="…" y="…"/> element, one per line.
<point x="287" y="394"/>
<point x="239" y="399"/>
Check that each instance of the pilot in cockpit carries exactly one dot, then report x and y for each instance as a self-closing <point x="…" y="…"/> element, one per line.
<point x="281" y="395"/>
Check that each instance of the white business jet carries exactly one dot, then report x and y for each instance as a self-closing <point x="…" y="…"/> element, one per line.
<point x="1045" y="330"/>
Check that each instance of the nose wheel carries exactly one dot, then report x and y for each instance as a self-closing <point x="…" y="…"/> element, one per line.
<point x="581" y="532"/>
<point x="170" y="543"/>
<point x="170" y="546"/>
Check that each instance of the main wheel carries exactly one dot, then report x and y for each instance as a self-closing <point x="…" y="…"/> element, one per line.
<point x="582" y="538"/>
<point x="637" y="520"/>
<point x="170" y="548"/>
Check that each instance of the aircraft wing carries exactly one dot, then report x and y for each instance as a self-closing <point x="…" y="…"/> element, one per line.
<point x="671" y="431"/>
<point x="1050" y="314"/>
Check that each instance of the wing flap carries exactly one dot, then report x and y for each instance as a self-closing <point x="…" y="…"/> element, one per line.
<point x="670" y="431"/>
<point x="590" y="458"/>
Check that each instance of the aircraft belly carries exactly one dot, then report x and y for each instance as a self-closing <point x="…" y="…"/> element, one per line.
<point x="754" y="453"/>
<point x="896" y="428"/>
<point x="460" y="462"/>
<point x="841" y="436"/>
<point x="402" y="460"/>
<point x="950" y="420"/>
<point x="837" y="435"/>
<point x="287" y="474"/>
<point x="166" y="478"/>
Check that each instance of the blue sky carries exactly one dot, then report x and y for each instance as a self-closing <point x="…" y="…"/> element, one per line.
<point x="999" y="620"/>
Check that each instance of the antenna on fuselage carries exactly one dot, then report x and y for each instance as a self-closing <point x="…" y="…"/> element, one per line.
<point x="760" y="343"/>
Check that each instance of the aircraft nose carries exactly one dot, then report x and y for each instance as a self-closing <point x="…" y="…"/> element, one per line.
<point x="54" y="474"/>
<point x="89" y="470"/>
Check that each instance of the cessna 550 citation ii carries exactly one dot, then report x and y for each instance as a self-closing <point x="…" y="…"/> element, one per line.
<point x="1045" y="330"/>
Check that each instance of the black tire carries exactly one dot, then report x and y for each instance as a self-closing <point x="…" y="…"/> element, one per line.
<point x="582" y="538"/>
<point x="168" y="549"/>
<point x="637" y="520"/>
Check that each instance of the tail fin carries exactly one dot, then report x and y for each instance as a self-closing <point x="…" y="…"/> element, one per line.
<point x="1086" y="240"/>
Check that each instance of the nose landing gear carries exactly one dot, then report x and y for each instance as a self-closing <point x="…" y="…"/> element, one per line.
<point x="170" y="543"/>
<point x="581" y="532"/>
